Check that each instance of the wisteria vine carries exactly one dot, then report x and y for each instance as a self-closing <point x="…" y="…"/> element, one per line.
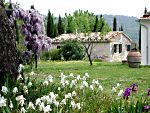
<point x="32" y="28"/>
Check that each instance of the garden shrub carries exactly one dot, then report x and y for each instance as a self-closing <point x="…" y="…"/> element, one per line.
<point x="55" y="54"/>
<point x="72" y="50"/>
<point x="45" y="55"/>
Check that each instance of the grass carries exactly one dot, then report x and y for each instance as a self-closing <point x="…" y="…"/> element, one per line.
<point x="109" y="74"/>
<point x="56" y="93"/>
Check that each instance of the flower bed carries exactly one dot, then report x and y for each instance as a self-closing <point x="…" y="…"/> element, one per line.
<point x="72" y="94"/>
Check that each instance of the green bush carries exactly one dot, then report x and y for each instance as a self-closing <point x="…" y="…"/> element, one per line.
<point x="55" y="54"/>
<point x="72" y="50"/>
<point x="45" y="55"/>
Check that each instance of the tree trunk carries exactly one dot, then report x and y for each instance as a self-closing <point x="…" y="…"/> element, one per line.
<point x="8" y="52"/>
<point x="35" y="56"/>
<point x="89" y="56"/>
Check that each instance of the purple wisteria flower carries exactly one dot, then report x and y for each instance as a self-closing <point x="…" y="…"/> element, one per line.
<point x="148" y="92"/>
<point x="127" y="93"/>
<point x="146" y="108"/>
<point x="134" y="87"/>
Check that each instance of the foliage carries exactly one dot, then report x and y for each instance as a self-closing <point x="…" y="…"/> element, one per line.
<point x="55" y="30"/>
<point x="50" y="25"/>
<point x="71" y="25"/>
<point x="45" y="55"/>
<point x="55" y="54"/>
<point x="72" y="50"/>
<point x="85" y="21"/>
<point x="115" y="24"/>
<point x="96" y="24"/>
<point x="60" y="26"/>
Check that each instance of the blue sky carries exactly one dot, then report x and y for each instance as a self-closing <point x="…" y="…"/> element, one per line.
<point x="115" y="7"/>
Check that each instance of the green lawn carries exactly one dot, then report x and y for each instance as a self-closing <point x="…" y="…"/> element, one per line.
<point x="109" y="74"/>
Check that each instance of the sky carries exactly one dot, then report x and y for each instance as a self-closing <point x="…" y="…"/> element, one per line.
<point x="115" y="7"/>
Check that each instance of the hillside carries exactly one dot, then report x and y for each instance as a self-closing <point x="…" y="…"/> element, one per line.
<point x="130" y="25"/>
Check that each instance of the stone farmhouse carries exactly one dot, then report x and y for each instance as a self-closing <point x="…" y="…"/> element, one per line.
<point x="114" y="46"/>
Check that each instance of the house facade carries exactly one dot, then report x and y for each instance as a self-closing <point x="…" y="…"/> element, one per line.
<point x="114" y="46"/>
<point x="145" y="39"/>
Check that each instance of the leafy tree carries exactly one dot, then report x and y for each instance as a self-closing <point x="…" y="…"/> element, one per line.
<point x="71" y="25"/>
<point x="60" y="26"/>
<point x="115" y="24"/>
<point x="50" y="25"/>
<point x="72" y="50"/>
<point x="85" y="22"/>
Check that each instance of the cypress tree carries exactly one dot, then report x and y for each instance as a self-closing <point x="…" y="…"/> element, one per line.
<point x="102" y="23"/>
<point x="96" y="24"/>
<point x="114" y="24"/>
<point x="60" y="26"/>
<point x="145" y="11"/>
<point x="55" y="30"/>
<point x="32" y="7"/>
<point x="121" y="28"/>
<point x="50" y="25"/>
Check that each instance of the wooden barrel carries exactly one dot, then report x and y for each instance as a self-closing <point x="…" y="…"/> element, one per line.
<point x="134" y="59"/>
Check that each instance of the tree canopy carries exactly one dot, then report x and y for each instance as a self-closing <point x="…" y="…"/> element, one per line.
<point x="84" y="21"/>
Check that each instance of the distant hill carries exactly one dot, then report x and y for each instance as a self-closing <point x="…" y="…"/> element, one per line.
<point x="130" y="25"/>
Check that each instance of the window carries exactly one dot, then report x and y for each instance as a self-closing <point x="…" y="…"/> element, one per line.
<point x="58" y="47"/>
<point x="120" y="48"/>
<point x="115" y="48"/>
<point x="128" y="47"/>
